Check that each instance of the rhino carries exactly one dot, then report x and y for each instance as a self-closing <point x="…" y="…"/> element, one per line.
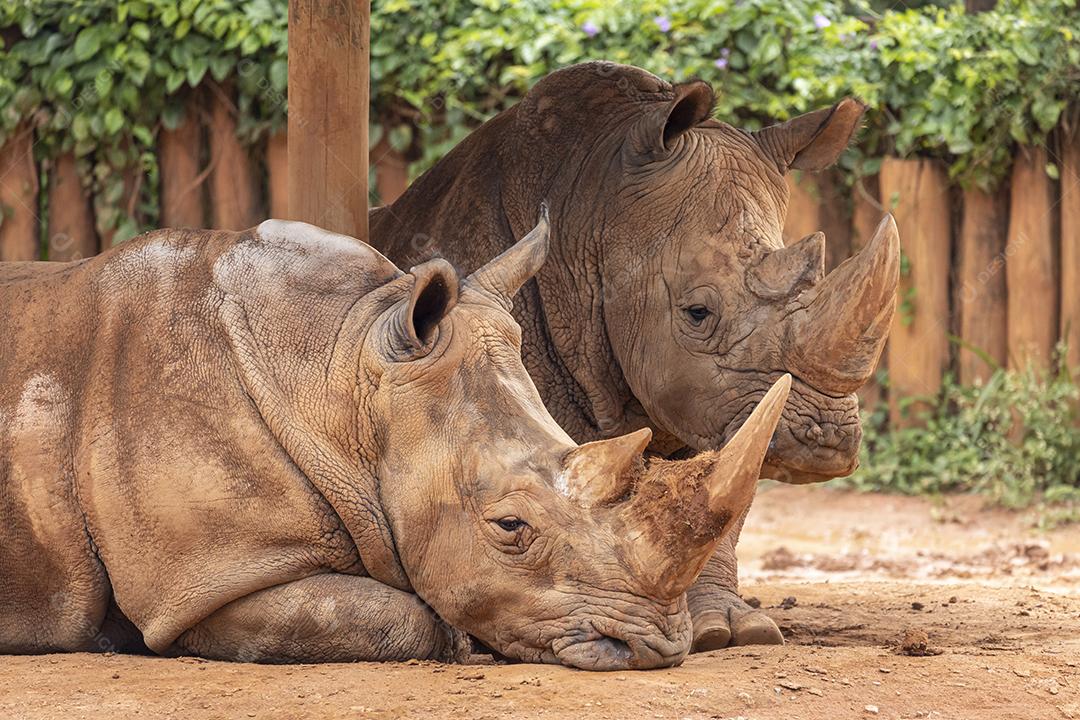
<point x="670" y="301"/>
<point x="275" y="446"/>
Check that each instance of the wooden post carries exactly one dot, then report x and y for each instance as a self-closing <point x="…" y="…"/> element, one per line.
<point x="1070" y="244"/>
<point x="182" y="188"/>
<point x="918" y="193"/>
<point x="1030" y="262"/>
<point x="980" y="296"/>
<point x="18" y="197"/>
<point x="329" y="68"/>
<point x="70" y="226"/>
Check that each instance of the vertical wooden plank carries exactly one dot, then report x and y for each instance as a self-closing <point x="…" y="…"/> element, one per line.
<point x="1070" y="244"/>
<point x="391" y="171"/>
<point x="981" y="276"/>
<point x="804" y="203"/>
<point x="18" y="197"/>
<point x="277" y="174"/>
<point x="918" y="192"/>
<point x="1031" y="262"/>
<point x="833" y="216"/>
<point x="182" y="187"/>
<point x="328" y="113"/>
<point x="866" y="213"/>
<point x="234" y="187"/>
<point x="71" y="232"/>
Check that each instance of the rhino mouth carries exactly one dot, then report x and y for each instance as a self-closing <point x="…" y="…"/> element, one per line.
<point x="817" y="439"/>
<point x="599" y="652"/>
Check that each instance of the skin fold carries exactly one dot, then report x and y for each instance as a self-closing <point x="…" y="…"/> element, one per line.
<point x="275" y="446"/>
<point x="669" y="301"/>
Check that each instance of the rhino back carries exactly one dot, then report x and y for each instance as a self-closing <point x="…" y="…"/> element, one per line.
<point x="174" y="488"/>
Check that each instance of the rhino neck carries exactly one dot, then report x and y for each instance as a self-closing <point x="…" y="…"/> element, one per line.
<point x="476" y="202"/>
<point x="309" y="400"/>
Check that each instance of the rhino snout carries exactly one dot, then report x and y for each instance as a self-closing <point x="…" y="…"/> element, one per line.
<point x="621" y="650"/>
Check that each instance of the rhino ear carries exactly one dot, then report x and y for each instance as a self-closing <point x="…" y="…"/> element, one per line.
<point x="812" y="141"/>
<point x="433" y="295"/>
<point x="658" y="131"/>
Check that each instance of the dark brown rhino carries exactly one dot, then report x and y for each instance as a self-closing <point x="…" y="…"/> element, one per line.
<point x="275" y="446"/>
<point x="669" y="300"/>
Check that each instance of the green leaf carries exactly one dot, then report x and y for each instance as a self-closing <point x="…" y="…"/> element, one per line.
<point x="114" y="120"/>
<point x="88" y="42"/>
<point x="196" y="70"/>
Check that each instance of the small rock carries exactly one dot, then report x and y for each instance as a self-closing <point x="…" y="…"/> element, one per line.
<point x="815" y="691"/>
<point x="788" y="684"/>
<point x="789" y="602"/>
<point x="816" y="670"/>
<point x="116" y="676"/>
<point x="1022" y="673"/>
<point x="753" y="602"/>
<point x="953" y="600"/>
<point x="872" y="709"/>
<point x="884" y="670"/>
<point x="917" y="606"/>
<point x="916" y="643"/>
<point x="473" y="675"/>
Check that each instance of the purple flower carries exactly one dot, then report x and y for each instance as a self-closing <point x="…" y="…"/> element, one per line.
<point x="662" y="22"/>
<point x="590" y="28"/>
<point x="821" y="22"/>
<point x="845" y="37"/>
<point x="873" y="44"/>
<point x="722" y="61"/>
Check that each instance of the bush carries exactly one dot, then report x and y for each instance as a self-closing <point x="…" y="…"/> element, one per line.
<point x="1015" y="438"/>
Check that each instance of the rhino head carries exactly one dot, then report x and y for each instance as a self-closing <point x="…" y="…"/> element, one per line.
<point x="543" y="549"/>
<point x="672" y="281"/>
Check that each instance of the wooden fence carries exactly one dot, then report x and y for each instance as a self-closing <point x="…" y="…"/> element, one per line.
<point x="989" y="278"/>
<point x="987" y="275"/>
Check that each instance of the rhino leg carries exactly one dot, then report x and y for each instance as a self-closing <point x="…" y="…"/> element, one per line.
<point x="720" y="616"/>
<point x="323" y="618"/>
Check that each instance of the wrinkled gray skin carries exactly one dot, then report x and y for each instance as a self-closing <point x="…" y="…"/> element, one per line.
<point x="669" y="300"/>
<point x="275" y="446"/>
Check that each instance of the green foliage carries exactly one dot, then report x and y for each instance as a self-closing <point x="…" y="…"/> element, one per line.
<point x="101" y="77"/>
<point x="1016" y="439"/>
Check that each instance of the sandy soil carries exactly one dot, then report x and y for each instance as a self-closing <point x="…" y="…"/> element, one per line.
<point x="852" y="580"/>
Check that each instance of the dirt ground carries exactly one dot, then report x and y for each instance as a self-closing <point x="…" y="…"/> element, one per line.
<point x="993" y="605"/>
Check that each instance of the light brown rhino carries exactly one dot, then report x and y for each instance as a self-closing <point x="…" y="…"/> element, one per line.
<point x="275" y="446"/>
<point x="669" y="301"/>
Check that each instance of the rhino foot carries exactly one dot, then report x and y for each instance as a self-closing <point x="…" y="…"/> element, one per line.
<point x="732" y="622"/>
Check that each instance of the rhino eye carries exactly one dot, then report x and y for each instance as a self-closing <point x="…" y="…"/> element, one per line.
<point x="511" y="524"/>
<point x="697" y="313"/>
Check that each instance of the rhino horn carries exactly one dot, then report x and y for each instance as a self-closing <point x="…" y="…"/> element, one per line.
<point x="681" y="510"/>
<point x="835" y="340"/>
<point x="789" y="270"/>
<point x="599" y="473"/>
<point x="504" y="275"/>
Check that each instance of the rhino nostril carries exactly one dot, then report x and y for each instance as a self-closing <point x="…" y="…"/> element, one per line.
<point x="618" y="648"/>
